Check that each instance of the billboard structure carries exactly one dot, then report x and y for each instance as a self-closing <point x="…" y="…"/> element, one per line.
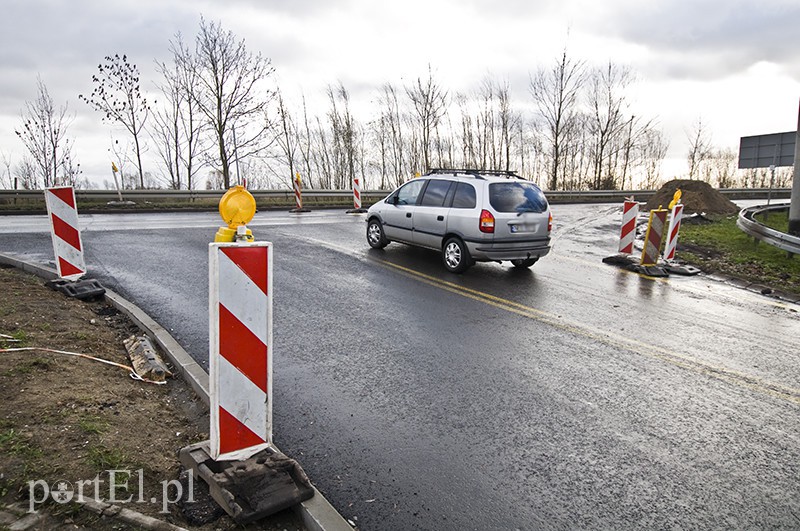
<point x="764" y="151"/>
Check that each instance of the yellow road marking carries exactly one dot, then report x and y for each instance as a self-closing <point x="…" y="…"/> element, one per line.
<point x="651" y="351"/>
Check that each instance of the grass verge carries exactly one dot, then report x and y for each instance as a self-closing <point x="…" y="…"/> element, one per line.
<point x="775" y="220"/>
<point x="719" y="246"/>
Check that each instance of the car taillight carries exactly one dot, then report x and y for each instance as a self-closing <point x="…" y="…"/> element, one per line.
<point x="550" y="223"/>
<point x="487" y="221"/>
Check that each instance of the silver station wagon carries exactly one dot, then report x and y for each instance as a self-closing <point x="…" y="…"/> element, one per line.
<point x="468" y="215"/>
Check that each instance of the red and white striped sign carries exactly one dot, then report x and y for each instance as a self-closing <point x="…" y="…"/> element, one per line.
<point x="630" y="213"/>
<point x="672" y="233"/>
<point x="240" y="308"/>
<point x="652" y="240"/>
<point x="298" y="193"/>
<point x="66" y="234"/>
<point x="356" y="193"/>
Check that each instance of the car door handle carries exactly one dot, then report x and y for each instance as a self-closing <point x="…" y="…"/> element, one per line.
<point x="408" y="214"/>
<point x="439" y="218"/>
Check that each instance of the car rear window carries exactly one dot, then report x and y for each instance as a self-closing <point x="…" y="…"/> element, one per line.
<point x="464" y="196"/>
<point x="516" y="196"/>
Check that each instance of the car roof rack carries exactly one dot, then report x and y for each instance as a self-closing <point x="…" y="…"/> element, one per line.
<point x="476" y="173"/>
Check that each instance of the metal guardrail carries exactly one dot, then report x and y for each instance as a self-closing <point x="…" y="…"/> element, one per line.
<point x="747" y="223"/>
<point x="181" y="195"/>
<point x="340" y="196"/>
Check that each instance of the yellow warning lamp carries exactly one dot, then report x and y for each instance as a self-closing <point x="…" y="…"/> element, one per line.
<point x="237" y="207"/>
<point x="675" y="198"/>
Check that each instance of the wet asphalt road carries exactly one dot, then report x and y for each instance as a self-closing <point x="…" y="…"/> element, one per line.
<point x="571" y="395"/>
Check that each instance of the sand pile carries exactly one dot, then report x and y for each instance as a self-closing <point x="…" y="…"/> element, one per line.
<point x="697" y="197"/>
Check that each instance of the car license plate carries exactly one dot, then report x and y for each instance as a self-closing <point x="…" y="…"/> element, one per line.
<point x="522" y="227"/>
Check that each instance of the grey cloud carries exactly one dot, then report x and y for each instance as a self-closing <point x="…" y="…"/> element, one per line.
<point x="710" y="39"/>
<point x="296" y="8"/>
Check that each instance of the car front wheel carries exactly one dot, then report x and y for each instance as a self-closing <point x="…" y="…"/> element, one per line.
<point x="455" y="255"/>
<point x="375" y="236"/>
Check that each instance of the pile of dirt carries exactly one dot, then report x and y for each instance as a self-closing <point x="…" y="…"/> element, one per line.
<point x="697" y="197"/>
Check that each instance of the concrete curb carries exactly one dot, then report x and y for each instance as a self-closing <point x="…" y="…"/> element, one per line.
<point x="317" y="513"/>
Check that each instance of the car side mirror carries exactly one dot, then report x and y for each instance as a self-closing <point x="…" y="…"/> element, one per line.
<point x="393" y="200"/>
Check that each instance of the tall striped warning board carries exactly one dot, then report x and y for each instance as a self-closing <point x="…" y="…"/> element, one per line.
<point x="630" y="212"/>
<point x="356" y="193"/>
<point x="652" y="240"/>
<point x="298" y="191"/>
<point x="63" y="214"/>
<point x="240" y="349"/>
<point x="672" y="232"/>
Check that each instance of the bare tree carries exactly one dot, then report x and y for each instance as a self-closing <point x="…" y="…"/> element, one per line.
<point x="391" y="116"/>
<point x="177" y="125"/>
<point x="507" y="122"/>
<point x="485" y="123"/>
<point x="167" y="131"/>
<point x="720" y="167"/>
<point x="607" y="121"/>
<point x="444" y="143"/>
<point x="556" y="92"/>
<point x="230" y="91"/>
<point x="6" y="180"/>
<point x="379" y="130"/>
<point x="627" y="147"/>
<point x="429" y="101"/>
<point x="25" y="174"/>
<point x="344" y="136"/>
<point x="43" y="132"/>
<point x="117" y="95"/>
<point x="323" y="160"/>
<point x="306" y="142"/>
<point x="287" y="138"/>
<point x="699" y="147"/>
<point x="70" y="170"/>
<point x="121" y="157"/>
<point x="467" y="134"/>
<point x="653" y="149"/>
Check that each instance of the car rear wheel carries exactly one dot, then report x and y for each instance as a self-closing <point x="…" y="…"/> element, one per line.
<point x="455" y="256"/>
<point x="375" y="236"/>
<point x="524" y="262"/>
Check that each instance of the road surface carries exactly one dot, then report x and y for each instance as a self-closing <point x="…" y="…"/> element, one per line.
<point x="570" y="395"/>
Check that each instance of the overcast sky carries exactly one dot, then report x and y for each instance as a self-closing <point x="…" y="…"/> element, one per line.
<point x="734" y="64"/>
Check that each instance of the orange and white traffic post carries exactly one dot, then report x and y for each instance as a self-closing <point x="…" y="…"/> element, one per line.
<point x="240" y="376"/>
<point x="653" y="237"/>
<point x="630" y="214"/>
<point x="298" y="191"/>
<point x="356" y="193"/>
<point x="63" y="213"/>
<point x="240" y="336"/>
<point x="357" y="209"/>
<point x="674" y="227"/>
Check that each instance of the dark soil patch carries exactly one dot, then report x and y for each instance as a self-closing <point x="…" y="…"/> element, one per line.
<point x="64" y="418"/>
